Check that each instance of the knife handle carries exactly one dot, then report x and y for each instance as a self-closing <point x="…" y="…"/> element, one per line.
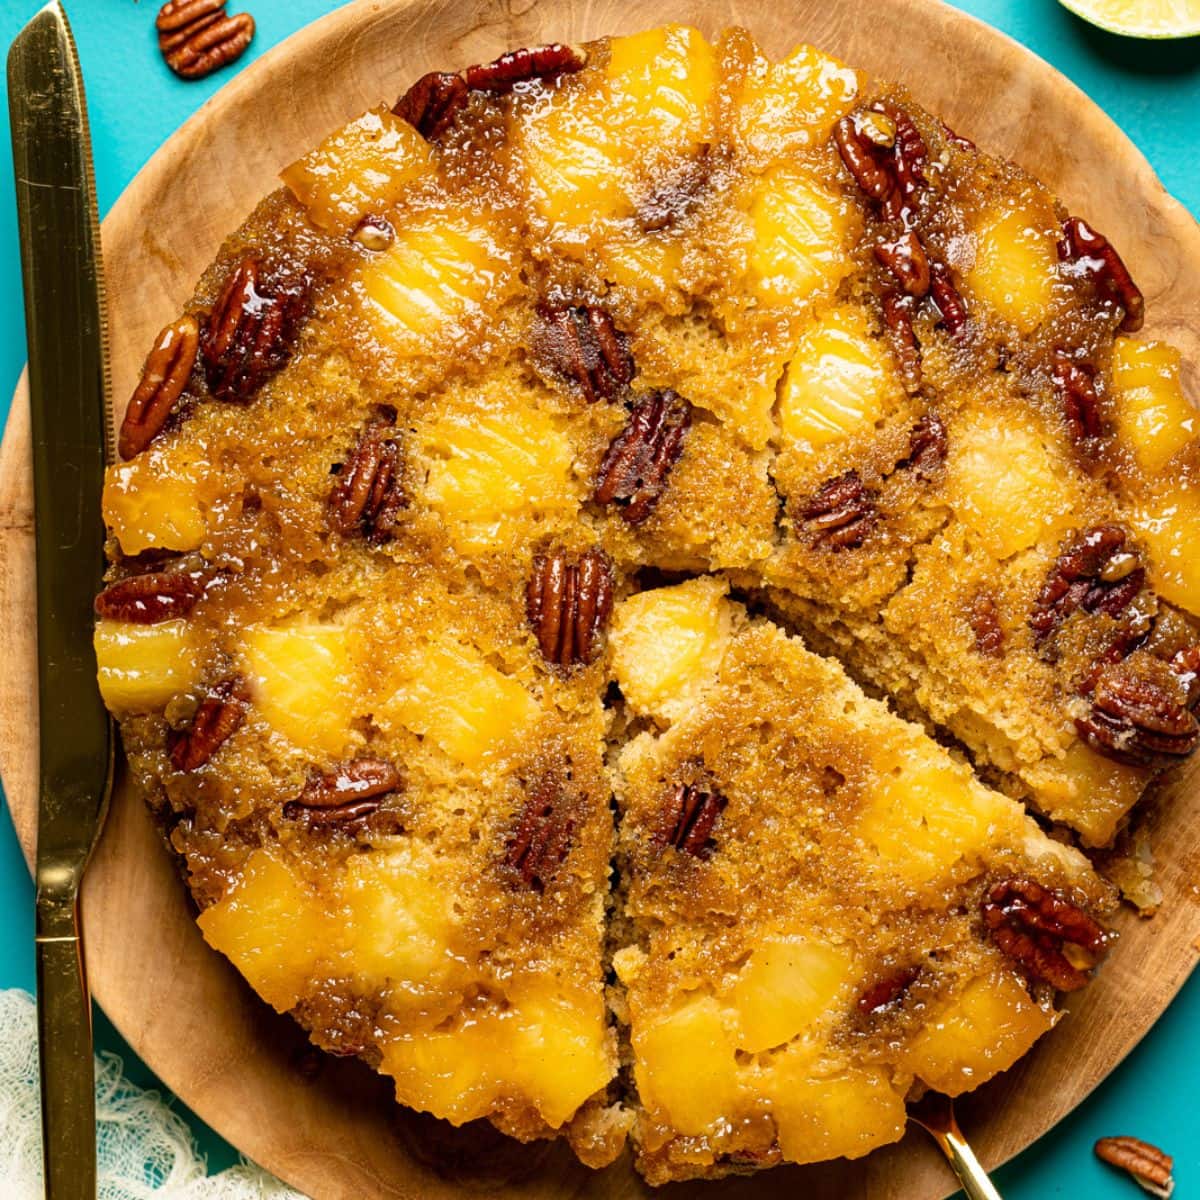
<point x="65" y="1038"/>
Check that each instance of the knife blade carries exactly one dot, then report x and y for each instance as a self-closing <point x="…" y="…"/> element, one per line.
<point x="69" y="406"/>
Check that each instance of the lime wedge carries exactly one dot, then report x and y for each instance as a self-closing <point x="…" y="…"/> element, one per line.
<point x="1141" y="18"/>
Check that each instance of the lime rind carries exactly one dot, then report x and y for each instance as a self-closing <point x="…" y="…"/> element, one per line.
<point x="1159" y="20"/>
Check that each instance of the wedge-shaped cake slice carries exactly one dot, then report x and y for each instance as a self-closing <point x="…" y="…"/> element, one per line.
<point x="824" y="911"/>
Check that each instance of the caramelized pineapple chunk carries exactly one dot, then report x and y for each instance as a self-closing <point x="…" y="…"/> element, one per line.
<point x="365" y="167"/>
<point x="143" y="666"/>
<point x="1007" y="483"/>
<point x="155" y="502"/>
<point x="1169" y="522"/>
<point x="1015" y="267"/>
<point x="667" y="644"/>
<point x="1153" y="414"/>
<point x="273" y="927"/>
<point x="463" y="704"/>
<point x="839" y="380"/>
<point x="685" y="1066"/>
<point x="303" y="681"/>
<point x="982" y="1031"/>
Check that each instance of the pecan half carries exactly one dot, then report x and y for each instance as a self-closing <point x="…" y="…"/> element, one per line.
<point x="928" y="444"/>
<point x="368" y="494"/>
<point x="1094" y="573"/>
<point x="1052" y="939"/>
<point x="840" y="513"/>
<point x="542" y="839"/>
<point x="946" y="296"/>
<point x="909" y="152"/>
<point x="886" y="991"/>
<point x="250" y="332"/>
<point x="529" y="63"/>
<point x="884" y="151"/>
<point x="1093" y="257"/>
<point x="150" y="598"/>
<point x="164" y="377"/>
<point x="634" y="471"/>
<point x="1075" y="388"/>
<point x="907" y="261"/>
<point x="898" y="322"/>
<point x="432" y="103"/>
<point x="1136" y="717"/>
<point x="1149" y="1166"/>
<point x="689" y="816"/>
<point x="583" y="346"/>
<point x="195" y="37"/>
<point x="568" y="603"/>
<point x="218" y="717"/>
<point x="349" y="792"/>
<point x="985" y="625"/>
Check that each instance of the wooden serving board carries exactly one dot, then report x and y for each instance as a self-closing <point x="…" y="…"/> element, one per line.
<point x="181" y="1006"/>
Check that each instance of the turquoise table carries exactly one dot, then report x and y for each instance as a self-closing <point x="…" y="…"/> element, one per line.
<point x="1151" y="89"/>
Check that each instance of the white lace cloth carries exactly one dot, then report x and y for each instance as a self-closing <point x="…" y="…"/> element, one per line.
<point x="146" y="1151"/>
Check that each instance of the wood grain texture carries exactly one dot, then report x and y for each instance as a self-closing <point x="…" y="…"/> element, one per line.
<point x="182" y="1007"/>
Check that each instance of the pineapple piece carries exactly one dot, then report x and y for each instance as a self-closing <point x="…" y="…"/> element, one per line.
<point x="487" y="465"/>
<point x="685" y="1067"/>
<point x="1007" y="483"/>
<point x="438" y="274"/>
<point x="840" y="379"/>
<point x="1016" y="264"/>
<point x="927" y="815"/>
<point x="786" y="987"/>
<point x="400" y="919"/>
<point x="141" y="667"/>
<point x="1170" y="526"/>
<point x="451" y="695"/>
<point x="642" y="264"/>
<point x="365" y="166"/>
<point x="801" y="235"/>
<point x="979" y="1033"/>
<point x="303" y="682"/>
<point x="793" y="104"/>
<point x="273" y="928"/>
<point x="154" y="502"/>
<point x="1153" y="414"/>
<point x="667" y="645"/>
<point x="825" y="1110"/>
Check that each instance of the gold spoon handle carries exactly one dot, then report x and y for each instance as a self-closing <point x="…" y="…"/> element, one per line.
<point x="966" y="1166"/>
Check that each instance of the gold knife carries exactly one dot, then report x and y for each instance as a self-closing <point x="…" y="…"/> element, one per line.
<point x="68" y="394"/>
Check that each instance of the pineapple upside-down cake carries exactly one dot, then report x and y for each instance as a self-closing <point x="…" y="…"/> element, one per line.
<point x="490" y="534"/>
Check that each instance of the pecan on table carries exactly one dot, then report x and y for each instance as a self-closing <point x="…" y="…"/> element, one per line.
<point x="907" y="261"/>
<point x="568" y="604"/>
<point x="840" y="513"/>
<point x="1095" y="573"/>
<point x="368" y="493"/>
<point x="928" y="444"/>
<point x="152" y="597"/>
<point x="887" y="990"/>
<point x="1078" y="400"/>
<point x="349" y="792"/>
<point x="196" y="37"/>
<point x="898" y="324"/>
<point x="582" y="345"/>
<point x="432" y="103"/>
<point x="946" y="296"/>
<point x="542" y="839"/>
<point x="1052" y="939"/>
<point x="634" y="471"/>
<point x="1093" y="257"/>
<point x="218" y="717"/>
<point x="1139" y="714"/>
<point x="164" y="377"/>
<point x="522" y="66"/>
<point x="984" y="616"/>
<point x="251" y="331"/>
<point x="1150" y="1167"/>
<point x="689" y="816"/>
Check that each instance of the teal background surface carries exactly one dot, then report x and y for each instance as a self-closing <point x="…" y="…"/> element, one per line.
<point x="1152" y="90"/>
